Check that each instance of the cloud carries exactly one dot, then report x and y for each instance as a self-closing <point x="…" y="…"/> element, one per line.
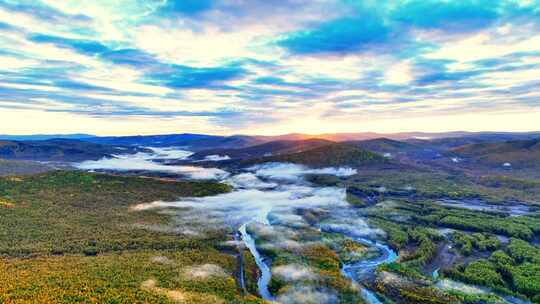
<point x="340" y="36"/>
<point x="294" y="272"/>
<point x="464" y="15"/>
<point x="187" y="7"/>
<point x="83" y="46"/>
<point x="204" y="271"/>
<point x="308" y="295"/>
<point x="178" y="76"/>
<point x="131" y="57"/>
<point x="255" y="66"/>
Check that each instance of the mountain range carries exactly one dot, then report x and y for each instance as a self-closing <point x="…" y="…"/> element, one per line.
<point x="59" y="150"/>
<point x="199" y="142"/>
<point x="473" y="150"/>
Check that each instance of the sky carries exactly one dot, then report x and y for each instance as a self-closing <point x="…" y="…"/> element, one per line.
<point x="121" y="67"/>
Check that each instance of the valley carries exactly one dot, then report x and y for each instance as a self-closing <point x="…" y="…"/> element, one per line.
<point x="286" y="221"/>
<point x="269" y="152"/>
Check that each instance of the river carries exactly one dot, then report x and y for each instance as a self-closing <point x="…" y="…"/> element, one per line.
<point x="271" y="190"/>
<point x="262" y="192"/>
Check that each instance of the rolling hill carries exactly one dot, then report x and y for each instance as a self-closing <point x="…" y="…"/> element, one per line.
<point x="194" y="142"/>
<point x="17" y="167"/>
<point x="267" y="149"/>
<point x="384" y="145"/>
<point x="518" y="153"/>
<point x="59" y="150"/>
<point x="328" y="156"/>
<point x="45" y="136"/>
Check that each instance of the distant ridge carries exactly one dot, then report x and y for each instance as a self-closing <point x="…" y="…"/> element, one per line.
<point x="194" y="142"/>
<point x="266" y="149"/>
<point x="59" y="149"/>
<point x="46" y="136"/>
<point x="356" y="136"/>
<point x="199" y="142"/>
<point x="517" y="153"/>
<point x="382" y="145"/>
<point x="332" y="155"/>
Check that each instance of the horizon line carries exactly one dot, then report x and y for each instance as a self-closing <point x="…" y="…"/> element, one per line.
<point x="82" y="135"/>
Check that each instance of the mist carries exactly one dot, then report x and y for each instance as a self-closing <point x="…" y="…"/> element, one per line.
<point x="148" y="162"/>
<point x="267" y="201"/>
<point x="287" y="171"/>
<point x="270" y="193"/>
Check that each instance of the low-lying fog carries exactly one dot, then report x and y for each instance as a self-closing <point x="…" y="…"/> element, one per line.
<point x="143" y="161"/>
<point x="266" y="199"/>
<point x="270" y="193"/>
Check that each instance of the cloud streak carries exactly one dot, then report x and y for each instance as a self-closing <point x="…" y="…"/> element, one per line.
<point x="236" y="66"/>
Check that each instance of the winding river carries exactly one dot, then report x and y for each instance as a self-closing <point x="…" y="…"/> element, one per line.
<point x="272" y="189"/>
<point x="359" y="270"/>
<point x="266" y="274"/>
<point x="268" y="190"/>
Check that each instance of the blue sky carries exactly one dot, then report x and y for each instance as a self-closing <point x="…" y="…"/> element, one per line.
<point x="268" y="66"/>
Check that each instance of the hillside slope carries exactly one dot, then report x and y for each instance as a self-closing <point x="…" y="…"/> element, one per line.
<point x="267" y="149"/>
<point x="58" y="150"/>
<point x="16" y="167"/>
<point x="519" y="153"/>
<point x="384" y="145"/>
<point x="193" y="142"/>
<point x="328" y="156"/>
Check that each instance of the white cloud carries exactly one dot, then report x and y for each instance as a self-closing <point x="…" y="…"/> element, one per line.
<point x="10" y="63"/>
<point x="483" y="46"/>
<point x="204" y="48"/>
<point x="399" y="73"/>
